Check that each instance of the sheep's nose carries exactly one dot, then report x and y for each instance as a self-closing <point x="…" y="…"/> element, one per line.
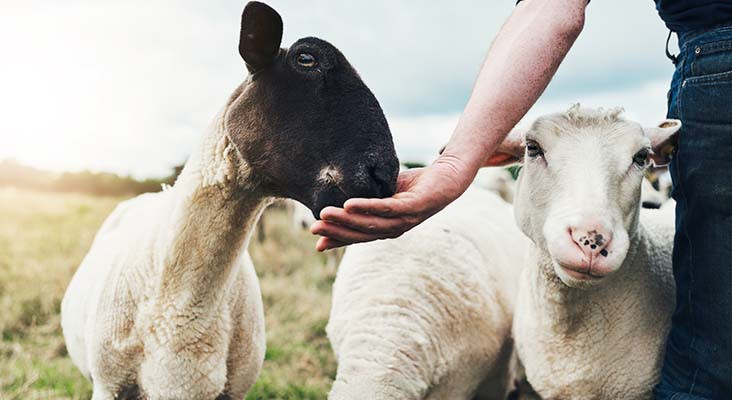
<point x="384" y="180"/>
<point x="593" y="241"/>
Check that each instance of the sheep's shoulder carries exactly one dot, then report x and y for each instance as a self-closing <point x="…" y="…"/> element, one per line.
<point x="100" y="304"/>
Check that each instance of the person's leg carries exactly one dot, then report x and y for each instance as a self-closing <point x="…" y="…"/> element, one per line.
<point x="698" y="360"/>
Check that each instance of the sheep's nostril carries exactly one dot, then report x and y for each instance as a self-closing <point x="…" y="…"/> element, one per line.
<point x="592" y="242"/>
<point x="384" y="188"/>
<point x="384" y="185"/>
<point x="651" y="204"/>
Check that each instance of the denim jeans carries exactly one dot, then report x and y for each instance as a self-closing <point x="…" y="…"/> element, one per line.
<point x="698" y="359"/>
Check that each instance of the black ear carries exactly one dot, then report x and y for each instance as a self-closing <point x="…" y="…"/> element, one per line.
<point x="261" y="34"/>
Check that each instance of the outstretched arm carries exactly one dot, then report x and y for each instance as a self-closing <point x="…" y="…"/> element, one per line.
<point x="519" y="65"/>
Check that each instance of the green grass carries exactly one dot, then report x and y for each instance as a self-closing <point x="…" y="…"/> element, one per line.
<point x="44" y="236"/>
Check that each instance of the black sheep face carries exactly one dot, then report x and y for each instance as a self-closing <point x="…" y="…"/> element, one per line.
<point x="305" y="121"/>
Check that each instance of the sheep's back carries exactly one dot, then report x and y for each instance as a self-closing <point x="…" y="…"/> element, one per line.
<point x="437" y="300"/>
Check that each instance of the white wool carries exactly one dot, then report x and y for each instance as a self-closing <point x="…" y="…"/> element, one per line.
<point x="167" y="296"/>
<point x="428" y="315"/>
<point x="601" y="341"/>
<point x="604" y="342"/>
<point x="650" y="197"/>
<point x="301" y="216"/>
<point x="496" y="179"/>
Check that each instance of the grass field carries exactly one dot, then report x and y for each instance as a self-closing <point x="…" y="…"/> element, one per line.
<point x="44" y="236"/>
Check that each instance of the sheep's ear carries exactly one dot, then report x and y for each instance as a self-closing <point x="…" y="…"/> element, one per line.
<point x="510" y="151"/>
<point x="663" y="140"/>
<point x="260" y="37"/>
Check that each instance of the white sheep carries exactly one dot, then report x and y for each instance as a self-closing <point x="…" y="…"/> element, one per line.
<point x="166" y="304"/>
<point x="428" y="315"/>
<point x="497" y="180"/>
<point x="650" y="196"/>
<point x="300" y="215"/>
<point x="597" y="293"/>
<point x="300" y="218"/>
<point x="655" y="189"/>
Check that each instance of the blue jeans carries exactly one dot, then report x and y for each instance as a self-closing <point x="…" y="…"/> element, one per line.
<point x="698" y="360"/>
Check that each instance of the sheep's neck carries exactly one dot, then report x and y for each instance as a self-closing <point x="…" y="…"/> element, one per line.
<point x="216" y="208"/>
<point x="568" y="309"/>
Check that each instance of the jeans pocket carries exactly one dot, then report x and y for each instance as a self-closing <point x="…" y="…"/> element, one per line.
<point x="712" y="59"/>
<point x="707" y="99"/>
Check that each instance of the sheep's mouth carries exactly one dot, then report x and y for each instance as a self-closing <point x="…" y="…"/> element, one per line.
<point x="583" y="274"/>
<point x="330" y="196"/>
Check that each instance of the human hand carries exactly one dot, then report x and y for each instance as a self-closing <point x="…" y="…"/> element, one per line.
<point x="421" y="192"/>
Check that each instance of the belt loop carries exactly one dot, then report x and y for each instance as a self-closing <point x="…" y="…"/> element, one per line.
<point x="674" y="59"/>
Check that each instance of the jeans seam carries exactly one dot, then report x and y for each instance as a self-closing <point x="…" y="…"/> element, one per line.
<point x="679" y="90"/>
<point x="686" y="234"/>
<point x="682" y="193"/>
<point x="693" y="380"/>
<point x="709" y="78"/>
<point x="715" y="47"/>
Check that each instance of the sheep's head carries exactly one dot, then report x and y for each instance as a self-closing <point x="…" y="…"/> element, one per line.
<point x="578" y="193"/>
<point x="305" y="122"/>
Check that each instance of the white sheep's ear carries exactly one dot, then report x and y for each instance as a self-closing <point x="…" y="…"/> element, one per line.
<point x="510" y="151"/>
<point x="663" y="140"/>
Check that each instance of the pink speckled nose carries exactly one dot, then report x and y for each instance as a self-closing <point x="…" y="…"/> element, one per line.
<point x="593" y="241"/>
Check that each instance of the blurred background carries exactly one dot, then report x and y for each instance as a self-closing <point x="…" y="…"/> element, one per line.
<point x="102" y="100"/>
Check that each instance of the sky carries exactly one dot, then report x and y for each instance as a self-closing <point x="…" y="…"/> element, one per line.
<point x="129" y="86"/>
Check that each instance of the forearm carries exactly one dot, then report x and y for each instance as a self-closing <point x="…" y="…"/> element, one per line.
<point x="517" y="69"/>
<point x="519" y="65"/>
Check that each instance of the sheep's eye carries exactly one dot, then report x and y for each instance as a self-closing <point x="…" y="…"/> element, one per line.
<point x="641" y="158"/>
<point x="533" y="149"/>
<point x="306" y="60"/>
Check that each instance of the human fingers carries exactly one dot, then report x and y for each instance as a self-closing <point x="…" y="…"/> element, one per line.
<point x="341" y="233"/>
<point x="326" y="243"/>
<point x="388" y="207"/>
<point x="366" y="223"/>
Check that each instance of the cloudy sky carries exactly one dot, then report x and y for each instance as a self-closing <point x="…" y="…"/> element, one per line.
<point x="128" y="86"/>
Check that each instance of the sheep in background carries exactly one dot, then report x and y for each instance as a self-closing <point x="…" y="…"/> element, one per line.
<point x="428" y="315"/>
<point x="497" y="180"/>
<point x="301" y="216"/>
<point x="166" y="304"/>
<point x="597" y="293"/>
<point x="650" y="197"/>
<point x="660" y="178"/>
<point x="655" y="189"/>
<point x="298" y="214"/>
